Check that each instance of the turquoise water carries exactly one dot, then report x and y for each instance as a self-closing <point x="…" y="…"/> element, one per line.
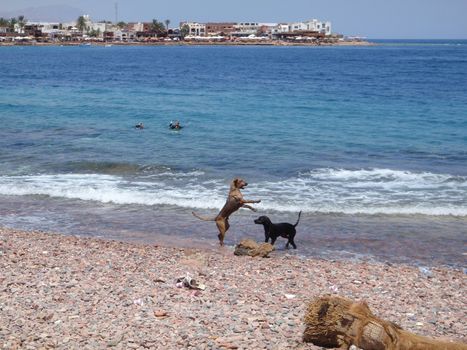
<point x="370" y="142"/>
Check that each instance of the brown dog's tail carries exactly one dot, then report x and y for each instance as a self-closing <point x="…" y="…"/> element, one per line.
<point x="300" y="213"/>
<point x="203" y="218"/>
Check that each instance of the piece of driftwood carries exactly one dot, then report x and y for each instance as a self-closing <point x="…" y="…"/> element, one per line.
<point x="251" y="248"/>
<point x="335" y="322"/>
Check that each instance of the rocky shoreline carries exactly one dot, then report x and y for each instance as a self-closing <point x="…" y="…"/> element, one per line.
<point x="67" y="292"/>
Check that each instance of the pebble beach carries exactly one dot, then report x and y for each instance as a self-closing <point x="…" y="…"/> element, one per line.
<point x="68" y="292"/>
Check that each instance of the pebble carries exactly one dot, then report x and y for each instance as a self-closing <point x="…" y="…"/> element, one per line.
<point x="160" y="313"/>
<point x="290" y="296"/>
<point x="120" y="295"/>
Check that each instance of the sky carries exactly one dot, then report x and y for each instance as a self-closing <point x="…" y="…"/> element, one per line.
<point x="397" y="19"/>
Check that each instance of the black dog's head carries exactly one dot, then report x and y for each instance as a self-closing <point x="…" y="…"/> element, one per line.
<point x="262" y="220"/>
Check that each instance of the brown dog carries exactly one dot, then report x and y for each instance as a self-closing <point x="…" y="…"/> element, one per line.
<point x="234" y="202"/>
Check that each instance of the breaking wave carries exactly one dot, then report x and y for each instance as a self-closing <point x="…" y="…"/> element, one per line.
<point x="116" y="168"/>
<point x="366" y="191"/>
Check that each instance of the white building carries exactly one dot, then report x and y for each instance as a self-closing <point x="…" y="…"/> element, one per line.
<point x="318" y="26"/>
<point x="253" y="28"/>
<point x="312" y="25"/>
<point x="46" y="27"/>
<point x="297" y="26"/>
<point x="280" y="28"/>
<point x="124" y="35"/>
<point x="137" y="27"/>
<point x="195" y="28"/>
<point x="99" y="27"/>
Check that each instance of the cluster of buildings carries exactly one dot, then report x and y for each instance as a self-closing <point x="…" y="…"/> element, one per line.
<point x="256" y="30"/>
<point x="84" y="29"/>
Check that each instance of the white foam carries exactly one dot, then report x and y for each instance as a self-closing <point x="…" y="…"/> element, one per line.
<point x="106" y="189"/>
<point x="373" y="191"/>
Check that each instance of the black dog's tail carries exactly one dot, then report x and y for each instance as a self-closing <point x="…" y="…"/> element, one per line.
<point x="203" y="218"/>
<point x="298" y="219"/>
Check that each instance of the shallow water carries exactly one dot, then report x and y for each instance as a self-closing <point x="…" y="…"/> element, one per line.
<point x="412" y="239"/>
<point x="369" y="142"/>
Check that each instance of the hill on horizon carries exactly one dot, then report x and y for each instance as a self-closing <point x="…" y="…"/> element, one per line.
<point x="50" y="13"/>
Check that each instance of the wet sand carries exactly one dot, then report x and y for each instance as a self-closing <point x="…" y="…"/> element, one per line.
<point x="67" y="292"/>
<point x="411" y="239"/>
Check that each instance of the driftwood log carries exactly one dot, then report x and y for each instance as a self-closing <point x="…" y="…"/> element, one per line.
<point x="335" y="322"/>
<point x="251" y="248"/>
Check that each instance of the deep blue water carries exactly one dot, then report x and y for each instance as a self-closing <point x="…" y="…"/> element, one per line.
<point x="374" y="134"/>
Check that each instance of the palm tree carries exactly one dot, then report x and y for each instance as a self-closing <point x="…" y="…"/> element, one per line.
<point x="158" y="27"/>
<point x="184" y="31"/>
<point x="21" y="22"/>
<point x="81" y="23"/>
<point x="167" y="22"/>
<point x="95" y="33"/>
<point x="13" y="22"/>
<point x="4" y="22"/>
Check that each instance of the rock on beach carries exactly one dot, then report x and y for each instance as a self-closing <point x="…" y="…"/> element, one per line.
<point x="86" y="293"/>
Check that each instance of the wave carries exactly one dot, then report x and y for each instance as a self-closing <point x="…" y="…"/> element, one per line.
<point x="365" y="191"/>
<point x="116" y="168"/>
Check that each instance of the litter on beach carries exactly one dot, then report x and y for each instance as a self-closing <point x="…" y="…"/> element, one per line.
<point x="189" y="282"/>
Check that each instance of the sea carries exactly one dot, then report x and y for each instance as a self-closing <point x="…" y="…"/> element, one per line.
<point x="370" y="143"/>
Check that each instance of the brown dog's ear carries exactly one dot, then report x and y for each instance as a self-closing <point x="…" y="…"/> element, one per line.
<point x="234" y="183"/>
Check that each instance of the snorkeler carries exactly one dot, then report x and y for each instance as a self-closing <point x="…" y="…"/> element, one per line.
<point x="175" y="125"/>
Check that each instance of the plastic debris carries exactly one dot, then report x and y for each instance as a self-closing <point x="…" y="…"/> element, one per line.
<point x="426" y="272"/>
<point x="189" y="282"/>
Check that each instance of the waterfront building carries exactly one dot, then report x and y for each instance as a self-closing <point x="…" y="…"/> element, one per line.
<point x="124" y="35"/>
<point x="312" y="29"/>
<point x="139" y="27"/>
<point x="99" y="27"/>
<point x="280" y="28"/>
<point x="223" y="29"/>
<point x="297" y="26"/>
<point x="194" y="28"/>
<point x="44" y="27"/>
<point x="244" y="29"/>
<point x="318" y="26"/>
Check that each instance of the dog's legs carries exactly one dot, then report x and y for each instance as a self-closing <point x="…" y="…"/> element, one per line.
<point x="273" y="240"/>
<point x="249" y="207"/>
<point x="250" y="201"/>
<point x="291" y="241"/>
<point x="222" y="226"/>
<point x="266" y="238"/>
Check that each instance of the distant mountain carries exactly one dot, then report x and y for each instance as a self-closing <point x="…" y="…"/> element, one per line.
<point x="50" y="13"/>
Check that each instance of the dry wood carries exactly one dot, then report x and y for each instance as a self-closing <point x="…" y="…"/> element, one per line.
<point x="335" y="322"/>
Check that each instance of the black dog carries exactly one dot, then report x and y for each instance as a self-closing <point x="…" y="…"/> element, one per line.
<point x="273" y="231"/>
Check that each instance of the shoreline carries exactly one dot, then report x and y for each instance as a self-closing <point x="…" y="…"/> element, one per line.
<point x="191" y="43"/>
<point x="70" y="292"/>
<point x="411" y="239"/>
